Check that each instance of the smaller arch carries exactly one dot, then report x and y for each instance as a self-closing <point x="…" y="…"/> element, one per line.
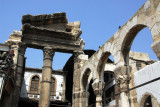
<point x="148" y="100"/>
<point x="101" y="65"/>
<point x="85" y="78"/>
<point x="53" y="86"/>
<point x="34" y="86"/>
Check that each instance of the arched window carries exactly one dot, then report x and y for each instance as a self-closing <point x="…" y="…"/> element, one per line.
<point x="34" y="84"/>
<point x="53" y="86"/>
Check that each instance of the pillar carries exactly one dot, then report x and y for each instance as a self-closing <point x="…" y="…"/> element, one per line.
<point x="79" y="59"/>
<point x="122" y="74"/>
<point x="18" y="74"/>
<point x="44" y="100"/>
<point x="81" y="98"/>
<point x="98" y="91"/>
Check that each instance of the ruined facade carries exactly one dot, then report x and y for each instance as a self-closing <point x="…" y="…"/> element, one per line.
<point x="93" y="75"/>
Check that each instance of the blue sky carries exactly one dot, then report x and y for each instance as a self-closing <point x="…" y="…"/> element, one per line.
<point x="100" y="19"/>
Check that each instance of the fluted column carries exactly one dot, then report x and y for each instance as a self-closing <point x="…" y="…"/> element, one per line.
<point x="46" y="77"/>
<point x="98" y="91"/>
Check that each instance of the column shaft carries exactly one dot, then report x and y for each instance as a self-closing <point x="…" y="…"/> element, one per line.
<point x="46" y="77"/>
<point x="79" y="60"/>
<point x="19" y="74"/>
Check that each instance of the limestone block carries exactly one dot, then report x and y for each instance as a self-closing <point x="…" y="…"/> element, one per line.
<point x="156" y="48"/>
<point x="155" y="30"/>
<point x="132" y="23"/>
<point x="83" y="57"/>
<point x="147" y="5"/>
<point x="107" y="46"/>
<point x="117" y="57"/>
<point x="99" y="54"/>
<point x="157" y="17"/>
<point x="116" y="34"/>
<point x="151" y="21"/>
<point x="158" y="8"/>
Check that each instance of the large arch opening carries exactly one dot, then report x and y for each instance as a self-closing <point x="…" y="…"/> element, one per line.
<point x="128" y="40"/>
<point x="139" y="40"/>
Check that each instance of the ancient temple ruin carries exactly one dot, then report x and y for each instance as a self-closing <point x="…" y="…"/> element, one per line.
<point x="90" y="78"/>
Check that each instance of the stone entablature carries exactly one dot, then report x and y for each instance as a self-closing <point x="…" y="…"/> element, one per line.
<point x="52" y="30"/>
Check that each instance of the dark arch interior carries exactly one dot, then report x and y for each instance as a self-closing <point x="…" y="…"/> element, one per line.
<point x="92" y="97"/>
<point x="148" y="102"/>
<point x="69" y="67"/>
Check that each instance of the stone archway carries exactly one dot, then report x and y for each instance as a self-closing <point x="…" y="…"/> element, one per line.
<point x="148" y="100"/>
<point x="128" y="40"/>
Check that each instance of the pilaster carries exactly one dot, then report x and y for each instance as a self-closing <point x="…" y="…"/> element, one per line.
<point x="80" y="99"/>
<point x="98" y="91"/>
<point x="122" y="74"/>
<point x="79" y="59"/>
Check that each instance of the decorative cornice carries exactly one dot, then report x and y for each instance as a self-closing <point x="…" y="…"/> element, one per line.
<point x="30" y="29"/>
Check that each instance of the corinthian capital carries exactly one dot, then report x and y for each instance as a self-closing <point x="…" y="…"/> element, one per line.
<point x="22" y="48"/>
<point x="48" y="53"/>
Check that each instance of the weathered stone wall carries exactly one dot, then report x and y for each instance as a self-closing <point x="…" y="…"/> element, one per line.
<point x="120" y="43"/>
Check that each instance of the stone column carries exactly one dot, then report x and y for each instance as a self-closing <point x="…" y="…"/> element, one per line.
<point x="44" y="100"/>
<point x="19" y="67"/>
<point x="79" y="59"/>
<point x="80" y="99"/>
<point x="122" y="76"/>
<point x="15" y="41"/>
<point x="98" y="91"/>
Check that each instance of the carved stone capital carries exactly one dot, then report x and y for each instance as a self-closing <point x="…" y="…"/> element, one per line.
<point x="98" y="88"/>
<point x="22" y="48"/>
<point x="48" y="53"/>
<point x="76" y="55"/>
<point x="123" y="77"/>
<point x="122" y="81"/>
